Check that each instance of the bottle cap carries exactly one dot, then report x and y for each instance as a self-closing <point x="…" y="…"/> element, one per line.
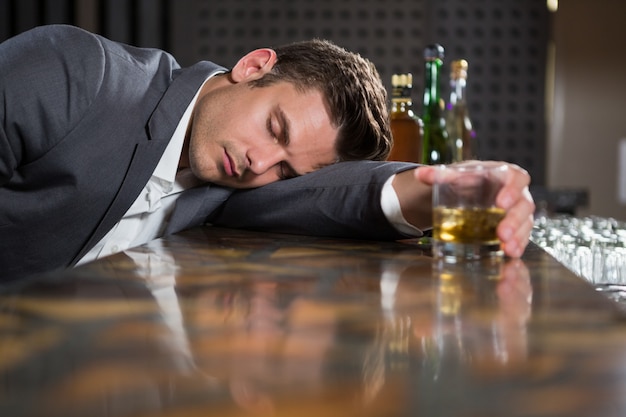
<point x="402" y="84"/>
<point x="458" y="69"/>
<point x="432" y="52"/>
<point x="402" y="80"/>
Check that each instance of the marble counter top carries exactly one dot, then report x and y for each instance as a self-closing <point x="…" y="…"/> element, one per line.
<point x="233" y="323"/>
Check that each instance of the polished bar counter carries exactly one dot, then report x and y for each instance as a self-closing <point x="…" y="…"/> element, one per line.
<point x="234" y="323"/>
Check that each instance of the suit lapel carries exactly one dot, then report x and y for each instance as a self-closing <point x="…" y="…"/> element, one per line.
<point x="144" y="159"/>
<point x="150" y="147"/>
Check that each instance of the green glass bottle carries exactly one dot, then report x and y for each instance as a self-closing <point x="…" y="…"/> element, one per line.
<point x="436" y="146"/>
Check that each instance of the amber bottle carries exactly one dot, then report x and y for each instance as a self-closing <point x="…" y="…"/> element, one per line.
<point x="406" y="126"/>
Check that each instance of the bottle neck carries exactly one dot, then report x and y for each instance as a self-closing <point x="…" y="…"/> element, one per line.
<point x="401" y="98"/>
<point x="401" y="104"/>
<point x="432" y="93"/>
<point x="457" y="91"/>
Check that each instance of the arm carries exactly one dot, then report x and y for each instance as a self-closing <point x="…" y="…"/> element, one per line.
<point x="341" y="200"/>
<point x="46" y="84"/>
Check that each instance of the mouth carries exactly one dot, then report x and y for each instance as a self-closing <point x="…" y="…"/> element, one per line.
<point x="229" y="165"/>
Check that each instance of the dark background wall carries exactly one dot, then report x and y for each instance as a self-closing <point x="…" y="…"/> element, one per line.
<point x="505" y="42"/>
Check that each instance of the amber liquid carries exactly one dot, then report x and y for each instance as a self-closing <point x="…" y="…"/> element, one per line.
<point x="466" y="225"/>
<point x="407" y="138"/>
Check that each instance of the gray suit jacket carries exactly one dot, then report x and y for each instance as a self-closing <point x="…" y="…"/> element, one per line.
<point x="84" y="123"/>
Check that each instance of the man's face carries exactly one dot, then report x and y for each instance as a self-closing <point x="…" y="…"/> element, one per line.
<point x="245" y="137"/>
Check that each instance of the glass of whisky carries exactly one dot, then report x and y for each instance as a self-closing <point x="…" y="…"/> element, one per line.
<point x="465" y="216"/>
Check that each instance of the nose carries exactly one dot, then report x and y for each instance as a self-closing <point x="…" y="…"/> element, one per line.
<point x="264" y="157"/>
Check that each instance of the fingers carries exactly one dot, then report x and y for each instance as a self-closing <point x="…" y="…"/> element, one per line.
<point x="515" y="182"/>
<point x="514" y="230"/>
<point x="514" y="244"/>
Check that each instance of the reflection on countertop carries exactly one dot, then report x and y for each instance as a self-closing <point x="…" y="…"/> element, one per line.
<point x="229" y="322"/>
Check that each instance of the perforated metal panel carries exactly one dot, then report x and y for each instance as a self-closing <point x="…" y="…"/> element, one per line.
<point x="504" y="41"/>
<point x="387" y="32"/>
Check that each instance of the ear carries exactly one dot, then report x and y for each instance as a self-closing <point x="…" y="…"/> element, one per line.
<point x="254" y="65"/>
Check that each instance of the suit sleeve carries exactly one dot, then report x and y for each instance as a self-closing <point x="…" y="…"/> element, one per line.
<point x="39" y="100"/>
<point x="341" y="200"/>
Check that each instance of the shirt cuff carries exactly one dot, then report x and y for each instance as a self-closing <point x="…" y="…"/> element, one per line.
<point x="391" y="208"/>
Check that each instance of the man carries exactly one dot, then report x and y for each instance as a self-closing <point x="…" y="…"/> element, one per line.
<point x="104" y="146"/>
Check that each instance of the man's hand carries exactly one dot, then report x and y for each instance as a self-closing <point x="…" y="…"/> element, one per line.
<point x="414" y="190"/>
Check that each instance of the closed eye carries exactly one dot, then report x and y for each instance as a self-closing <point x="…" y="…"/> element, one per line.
<point x="278" y="129"/>
<point x="278" y="126"/>
<point x="270" y="129"/>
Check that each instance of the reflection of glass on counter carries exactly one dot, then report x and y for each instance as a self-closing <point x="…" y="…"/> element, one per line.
<point x="486" y="306"/>
<point x="479" y="318"/>
<point x="442" y="321"/>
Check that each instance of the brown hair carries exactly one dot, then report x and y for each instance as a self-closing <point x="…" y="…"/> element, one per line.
<point x="353" y="90"/>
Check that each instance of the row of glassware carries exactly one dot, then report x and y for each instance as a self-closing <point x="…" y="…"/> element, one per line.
<point x="592" y="247"/>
